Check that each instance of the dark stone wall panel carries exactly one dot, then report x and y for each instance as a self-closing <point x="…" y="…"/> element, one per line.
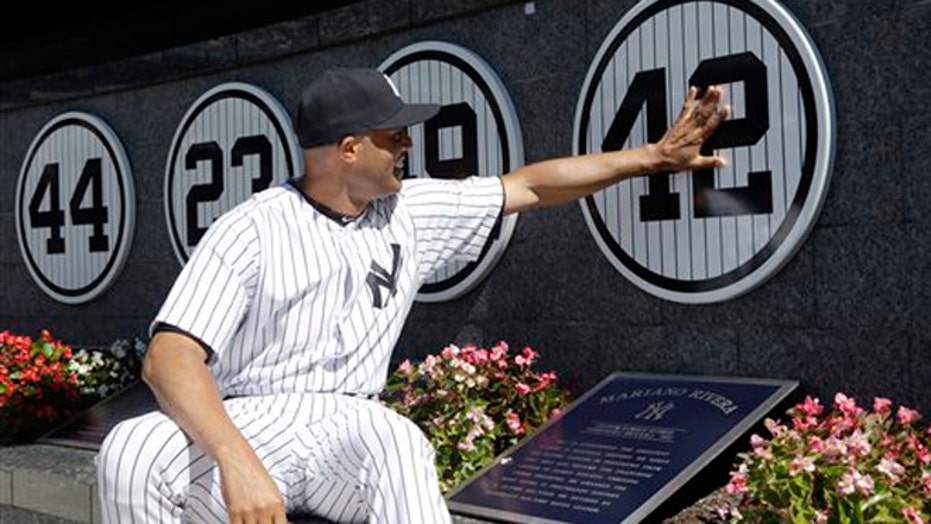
<point x="848" y="312"/>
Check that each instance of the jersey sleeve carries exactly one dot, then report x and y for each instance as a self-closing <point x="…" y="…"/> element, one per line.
<point x="453" y="219"/>
<point x="214" y="290"/>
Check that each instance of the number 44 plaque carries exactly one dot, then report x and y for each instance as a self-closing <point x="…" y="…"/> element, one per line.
<point x="620" y="451"/>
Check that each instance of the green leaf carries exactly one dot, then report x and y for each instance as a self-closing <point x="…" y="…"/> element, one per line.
<point x="875" y="499"/>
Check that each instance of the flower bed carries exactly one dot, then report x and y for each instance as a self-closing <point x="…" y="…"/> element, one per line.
<point x="473" y="403"/>
<point x="43" y="382"/>
<point x="849" y="465"/>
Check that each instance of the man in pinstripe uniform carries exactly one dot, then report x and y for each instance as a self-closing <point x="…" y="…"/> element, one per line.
<point x="277" y="334"/>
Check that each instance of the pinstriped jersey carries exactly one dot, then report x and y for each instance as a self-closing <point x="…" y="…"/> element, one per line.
<point x="287" y="299"/>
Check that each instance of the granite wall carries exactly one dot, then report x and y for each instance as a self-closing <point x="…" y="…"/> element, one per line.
<point x="849" y="312"/>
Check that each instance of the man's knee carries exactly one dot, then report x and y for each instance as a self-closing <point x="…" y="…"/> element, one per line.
<point x="401" y="437"/>
<point x="111" y="449"/>
<point x="129" y="443"/>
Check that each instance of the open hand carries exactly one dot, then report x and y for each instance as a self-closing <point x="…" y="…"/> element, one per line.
<point x="680" y="147"/>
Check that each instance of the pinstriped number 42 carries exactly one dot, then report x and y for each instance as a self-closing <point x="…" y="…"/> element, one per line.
<point x="649" y="89"/>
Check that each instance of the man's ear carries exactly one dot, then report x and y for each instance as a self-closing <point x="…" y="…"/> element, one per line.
<point x="348" y="149"/>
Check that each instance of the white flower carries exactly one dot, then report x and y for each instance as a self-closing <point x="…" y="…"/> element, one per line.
<point x="119" y="347"/>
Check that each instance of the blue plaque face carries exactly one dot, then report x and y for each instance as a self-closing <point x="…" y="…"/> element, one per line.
<point x="620" y="451"/>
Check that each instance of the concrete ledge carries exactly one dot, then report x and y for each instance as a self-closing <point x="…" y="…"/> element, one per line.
<point x="14" y="515"/>
<point x="44" y="484"/>
<point x="52" y="494"/>
<point x="41" y="483"/>
<point x="6" y="487"/>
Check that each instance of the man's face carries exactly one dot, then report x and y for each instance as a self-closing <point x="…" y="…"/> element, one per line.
<point x="382" y="153"/>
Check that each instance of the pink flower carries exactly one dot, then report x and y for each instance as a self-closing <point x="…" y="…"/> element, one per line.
<point x="522" y="389"/>
<point x="409" y="399"/>
<point x="544" y="381"/>
<point x="450" y="351"/>
<point x="834" y="449"/>
<point x="757" y="441"/>
<point x="774" y="427"/>
<point x="864" y="484"/>
<point x="530" y="354"/>
<point x="926" y="481"/>
<point x="474" y="432"/>
<point x="811" y="407"/>
<point x="475" y="414"/>
<point x="815" y="444"/>
<point x="882" y="406"/>
<point x="891" y="469"/>
<point x="555" y="413"/>
<point x="802" y="424"/>
<point x="406" y="368"/>
<point x="848" y="482"/>
<point x="428" y="366"/>
<point x="907" y="416"/>
<point x="466" y="445"/>
<point x="514" y="424"/>
<point x="481" y="356"/>
<point x="859" y="444"/>
<point x="846" y="405"/>
<point x="738" y="483"/>
<point x="499" y="352"/>
<point x="821" y="517"/>
<point x="923" y="456"/>
<point x="800" y="464"/>
<point x="912" y="516"/>
<point x="521" y="361"/>
<point x="763" y="452"/>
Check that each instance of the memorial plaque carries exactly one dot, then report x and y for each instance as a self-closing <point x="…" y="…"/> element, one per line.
<point x="620" y="451"/>
<point x="88" y="429"/>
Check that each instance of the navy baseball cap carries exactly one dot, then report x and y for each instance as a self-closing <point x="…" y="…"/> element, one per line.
<point x="347" y="101"/>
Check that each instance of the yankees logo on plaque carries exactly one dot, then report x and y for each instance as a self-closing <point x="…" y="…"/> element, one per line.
<point x="234" y="141"/>
<point x="476" y="132"/>
<point x="75" y="208"/>
<point x="713" y="234"/>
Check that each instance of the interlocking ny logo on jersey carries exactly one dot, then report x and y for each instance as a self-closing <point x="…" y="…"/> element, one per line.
<point x="379" y="277"/>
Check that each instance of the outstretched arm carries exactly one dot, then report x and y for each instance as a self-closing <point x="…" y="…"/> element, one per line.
<point x="553" y="182"/>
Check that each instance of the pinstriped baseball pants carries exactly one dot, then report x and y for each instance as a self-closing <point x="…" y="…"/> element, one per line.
<point x="343" y="458"/>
